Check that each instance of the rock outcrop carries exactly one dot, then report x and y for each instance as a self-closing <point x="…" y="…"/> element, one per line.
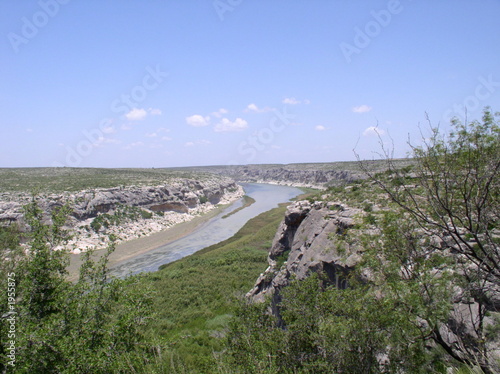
<point x="308" y="241"/>
<point x="311" y="239"/>
<point x="306" y="178"/>
<point x="176" y="197"/>
<point x="153" y="208"/>
<point x="315" y="175"/>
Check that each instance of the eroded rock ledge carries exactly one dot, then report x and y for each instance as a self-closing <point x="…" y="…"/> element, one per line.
<point x="307" y="242"/>
<point x="154" y="208"/>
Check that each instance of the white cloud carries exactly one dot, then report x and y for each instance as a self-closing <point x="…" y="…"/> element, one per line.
<point x="136" y="114"/>
<point x="291" y="101"/>
<point x="151" y="134"/>
<point x="373" y="131"/>
<point x="226" y="125"/>
<point x="126" y="127"/>
<point x="320" y="128"/>
<point x="109" y="130"/>
<point x="254" y="108"/>
<point x="198" y="121"/>
<point x="197" y="142"/>
<point x="166" y="138"/>
<point x="220" y="113"/>
<point x="307" y="101"/>
<point x="29" y="130"/>
<point x="154" y="112"/>
<point x="134" y="145"/>
<point x="361" y="109"/>
<point x="102" y="140"/>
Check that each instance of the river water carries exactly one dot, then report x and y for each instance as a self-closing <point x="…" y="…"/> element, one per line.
<point x="217" y="229"/>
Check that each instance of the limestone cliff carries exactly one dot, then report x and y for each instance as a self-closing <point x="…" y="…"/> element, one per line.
<point x="308" y="240"/>
<point x="316" y="175"/>
<point x="128" y="212"/>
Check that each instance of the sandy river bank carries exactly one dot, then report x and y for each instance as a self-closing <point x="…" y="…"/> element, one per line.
<point x="134" y="247"/>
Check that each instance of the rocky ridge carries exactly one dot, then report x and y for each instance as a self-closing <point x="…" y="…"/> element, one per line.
<point x="314" y="175"/>
<point x="153" y="208"/>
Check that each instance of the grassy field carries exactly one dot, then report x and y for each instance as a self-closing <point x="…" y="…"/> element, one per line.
<point x="53" y="180"/>
<point x="194" y="297"/>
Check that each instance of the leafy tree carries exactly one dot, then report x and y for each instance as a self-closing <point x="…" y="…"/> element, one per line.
<point x="328" y="330"/>
<point x="91" y="326"/>
<point x="451" y="197"/>
<point x="419" y="300"/>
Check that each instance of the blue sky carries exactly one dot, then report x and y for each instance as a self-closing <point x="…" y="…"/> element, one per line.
<point x="129" y="83"/>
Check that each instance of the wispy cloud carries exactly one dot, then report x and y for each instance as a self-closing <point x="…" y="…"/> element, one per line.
<point x="361" y="109"/>
<point x="138" y="114"/>
<point x="254" y="108"/>
<point x="154" y="112"/>
<point x="197" y="142"/>
<point x="373" y="131"/>
<point x="109" y="130"/>
<point x="133" y="145"/>
<point x="320" y="128"/>
<point x="220" y="113"/>
<point x="291" y="101"/>
<point x="103" y="140"/>
<point x="226" y="125"/>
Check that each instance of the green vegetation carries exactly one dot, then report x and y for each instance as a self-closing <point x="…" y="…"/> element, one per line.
<point x="170" y="321"/>
<point x="428" y="240"/>
<point x="91" y="326"/>
<point x="428" y="232"/>
<point x="122" y="213"/>
<point x="53" y="180"/>
<point x="196" y="296"/>
<point x="247" y="201"/>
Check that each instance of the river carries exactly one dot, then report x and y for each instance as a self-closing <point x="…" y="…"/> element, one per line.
<point x="217" y="229"/>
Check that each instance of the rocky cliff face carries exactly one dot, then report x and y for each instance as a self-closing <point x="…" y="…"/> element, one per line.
<point x="308" y="240"/>
<point x="306" y="178"/>
<point x="178" y="197"/>
<point x="126" y="212"/>
<point x="316" y="175"/>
